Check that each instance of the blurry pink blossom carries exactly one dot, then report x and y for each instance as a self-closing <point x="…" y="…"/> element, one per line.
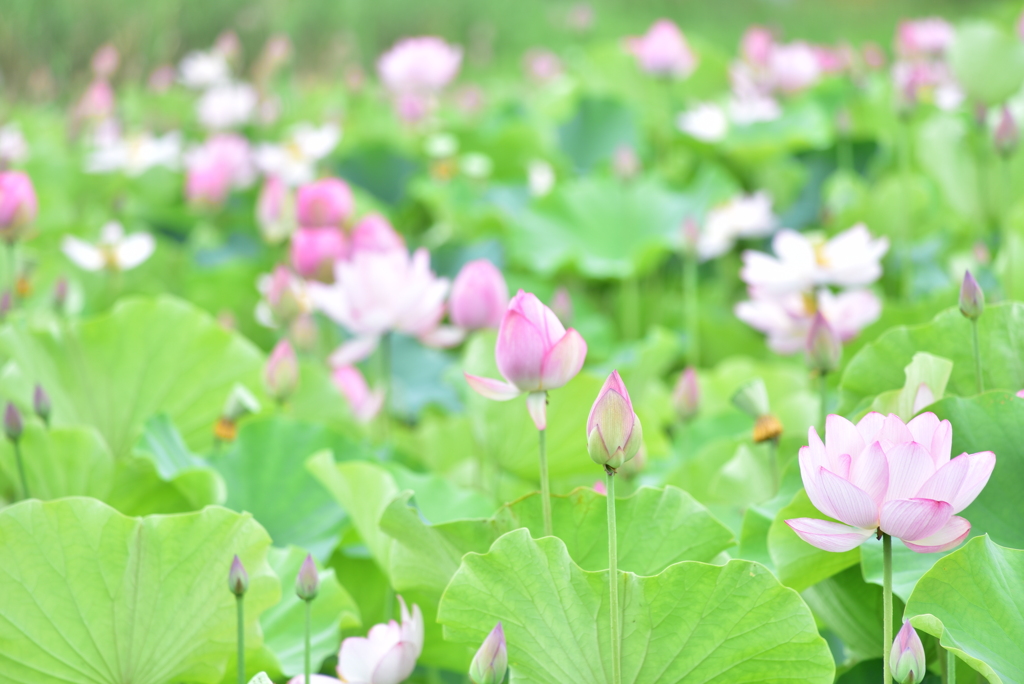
<point x="580" y="17"/>
<point x="663" y="50"/>
<point x="314" y="251"/>
<point x="104" y="61"/>
<point x="422" y="65"/>
<point x="281" y="373"/>
<point x="542" y="65"/>
<point x="284" y="298"/>
<point x="18" y="204"/>
<point x="275" y="210"/>
<point x="931" y="36"/>
<point x="228" y="45"/>
<point x="625" y="162"/>
<point x="325" y="202"/>
<point x="600" y="487"/>
<point x="470" y="99"/>
<point x="561" y="304"/>
<point x="161" y="78"/>
<point x="479" y="296"/>
<point x="794" y="66"/>
<point x="756" y="45"/>
<point x="96" y="103"/>
<point x="374" y="233"/>
<point x="227" y="105"/>
<point x="364" y="402"/>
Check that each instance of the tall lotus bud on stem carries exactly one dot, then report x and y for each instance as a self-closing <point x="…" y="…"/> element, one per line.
<point x="479" y="296"/>
<point x="282" y="371"/>
<point x="41" y="404"/>
<point x="326" y="202"/>
<point x="972" y="297"/>
<point x="491" y="661"/>
<point x="238" y="578"/>
<point x="907" y="659"/>
<point x="613" y="430"/>
<point x="1006" y="135"/>
<point x="238" y="583"/>
<point x="18" y="205"/>
<point x="307" y="583"/>
<point x="824" y="348"/>
<point x="239" y="404"/>
<point x="13" y="424"/>
<point x="686" y="395"/>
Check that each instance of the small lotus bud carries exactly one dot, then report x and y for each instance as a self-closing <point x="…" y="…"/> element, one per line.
<point x="307" y="583"/>
<point x="491" y="661"/>
<point x="824" y="349"/>
<point x="322" y="203"/>
<point x="41" y="404"/>
<point x="12" y="422"/>
<point x="18" y="205"/>
<point x="561" y="304"/>
<point x="60" y="293"/>
<point x="614" y="434"/>
<point x="972" y="297"/>
<point x="686" y="395"/>
<point x="691" y="235"/>
<point x="1006" y="135"/>
<point x="907" y="659"/>
<point x="752" y="398"/>
<point x="304" y="332"/>
<point x="238" y="578"/>
<point x="479" y="296"/>
<point x="282" y="371"/>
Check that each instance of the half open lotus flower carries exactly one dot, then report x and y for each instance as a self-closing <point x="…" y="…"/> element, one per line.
<point x="884" y="474"/>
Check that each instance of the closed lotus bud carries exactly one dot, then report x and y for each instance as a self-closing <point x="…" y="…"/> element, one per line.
<point x="686" y="395"/>
<point x="307" y="582"/>
<point x="1006" y="135"/>
<point x="18" y="204"/>
<point x="972" y="297"/>
<point x="315" y="250"/>
<point x="479" y="296"/>
<point x="491" y="661"/>
<point x="824" y="348"/>
<point x="613" y="430"/>
<point x="282" y="371"/>
<point x="41" y="403"/>
<point x="12" y="422"/>
<point x="326" y="202"/>
<point x="238" y="578"/>
<point x="907" y="659"/>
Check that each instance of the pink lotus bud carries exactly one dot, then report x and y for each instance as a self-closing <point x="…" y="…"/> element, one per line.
<point x="375" y="234"/>
<point x="105" y="60"/>
<point x="238" y="578"/>
<point x="686" y="395"/>
<point x="756" y="45"/>
<point x="542" y="65"/>
<point x="275" y="210"/>
<point x="824" y="349"/>
<point x="663" y="50"/>
<point x="12" y="422"/>
<point x="972" y="297"/>
<point x="479" y="296"/>
<point x="307" y="582"/>
<point x="60" y="293"/>
<point x="314" y="251"/>
<point x="691" y="235"/>
<point x="97" y="102"/>
<point x="279" y="288"/>
<point x="282" y="371"/>
<point x="41" y="403"/>
<point x="5" y="304"/>
<point x="18" y="205"/>
<point x="1006" y="134"/>
<point x="413" y="107"/>
<point x="614" y="434"/>
<point x="491" y="661"/>
<point x="364" y="402"/>
<point x="600" y="487"/>
<point x="228" y="45"/>
<point x="907" y="660"/>
<point x="873" y="55"/>
<point x="162" y="78"/>
<point x="561" y="304"/>
<point x="326" y="202"/>
<point x="924" y="37"/>
<point x="207" y="185"/>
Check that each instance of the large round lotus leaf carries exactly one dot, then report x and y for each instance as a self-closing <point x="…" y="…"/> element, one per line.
<point x="146" y="356"/>
<point x="90" y="596"/>
<point x="692" y="623"/>
<point x="988" y="62"/>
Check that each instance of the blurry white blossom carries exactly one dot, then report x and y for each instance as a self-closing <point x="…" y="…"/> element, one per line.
<point x="114" y="252"/>
<point x="294" y="160"/>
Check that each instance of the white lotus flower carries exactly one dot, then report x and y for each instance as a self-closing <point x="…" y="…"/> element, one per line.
<point x="744" y="216"/>
<point x="294" y="160"/>
<point x="133" y="154"/>
<point x="706" y="122"/>
<point x="227" y="105"/>
<point x="201" y="70"/>
<point x="13" y="146"/>
<point x="115" y="251"/>
<point x="540" y="177"/>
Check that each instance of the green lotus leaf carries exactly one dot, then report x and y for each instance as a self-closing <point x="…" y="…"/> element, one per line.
<point x="798" y="564"/>
<point x="988" y="62"/>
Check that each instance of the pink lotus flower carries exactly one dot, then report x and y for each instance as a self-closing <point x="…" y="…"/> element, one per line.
<point x="663" y="50"/>
<point x="223" y="162"/>
<point x="326" y="202"/>
<point x="850" y="259"/>
<point x="422" y="65"/>
<point x="542" y="66"/>
<point x="793" y="67"/>
<point x="364" y="402"/>
<point x="535" y="353"/>
<point x="207" y="186"/>
<point x="227" y="105"/>
<point x="96" y="103"/>
<point x="614" y="433"/>
<point x="18" y="204"/>
<point x="882" y="474"/>
<point x="686" y="395"/>
<point x="924" y="37"/>
<point x="282" y="371"/>
<point x="161" y="78"/>
<point x="284" y="298"/>
<point x="275" y="210"/>
<point x="787" y="319"/>
<point x="479" y="296"/>
<point x="105" y="60"/>
<point x="377" y="292"/>
<point x="756" y="45"/>
<point x="375" y="234"/>
<point x="315" y="250"/>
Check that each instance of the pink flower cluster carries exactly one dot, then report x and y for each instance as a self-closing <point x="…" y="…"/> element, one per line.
<point x="921" y="72"/>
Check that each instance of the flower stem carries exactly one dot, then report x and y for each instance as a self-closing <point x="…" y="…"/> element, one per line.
<point x="309" y="629"/>
<point x="545" y="486"/>
<point x="773" y="462"/>
<point x="906" y="279"/>
<point x="692" y="305"/>
<point x="886" y="604"/>
<point x="823" y="394"/>
<point x="950" y="668"/>
<point x="613" y="579"/>
<point x="977" y="357"/>
<point x="630" y="302"/>
<point x="241" y="639"/>
<point x="385" y="379"/>
<point x="21" y="470"/>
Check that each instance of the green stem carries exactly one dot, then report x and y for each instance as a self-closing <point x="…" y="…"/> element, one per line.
<point x="630" y="301"/>
<point x="12" y="275"/>
<point x="1008" y="242"/>
<point x="241" y="639"/>
<point x="385" y="379"/>
<point x="823" y="395"/>
<point x="545" y="485"/>
<point x="773" y="461"/>
<point x="886" y="605"/>
<point x="977" y="357"/>
<point x="692" y="295"/>
<point x="613" y="579"/>
<point x="309" y="630"/>
<point x="950" y="668"/>
<point x="904" y="158"/>
<point x="21" y="470"/>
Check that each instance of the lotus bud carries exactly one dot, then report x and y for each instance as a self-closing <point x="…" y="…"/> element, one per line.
<point x="41" y="404"/>
<point x="613" y="430"/>
<point x="479" y="296"/>
<point x="824" y="348"/>
<point x="13" y="425"/>
<point x="238" y="578"/>
<point x="6" y="301"/>
<point x="105" y="61"/>
<point x="907" y="659"/>
<point x="972" y="297"/>
<point x="303" y="332"/>
<point x="315" y="250"/>
<point x="60" y="293"/>
<point x="491" y="661"/>
<point x="1006" y="135"/>
<point x="686" y="395"/>
<point x="282" y="371"/>
<point x="561" y="304"/>
<point x="691" y="235"/>
<point x="307" y="582"/>
<point x="18" y="205"/>
<point x="326" y="202"/>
